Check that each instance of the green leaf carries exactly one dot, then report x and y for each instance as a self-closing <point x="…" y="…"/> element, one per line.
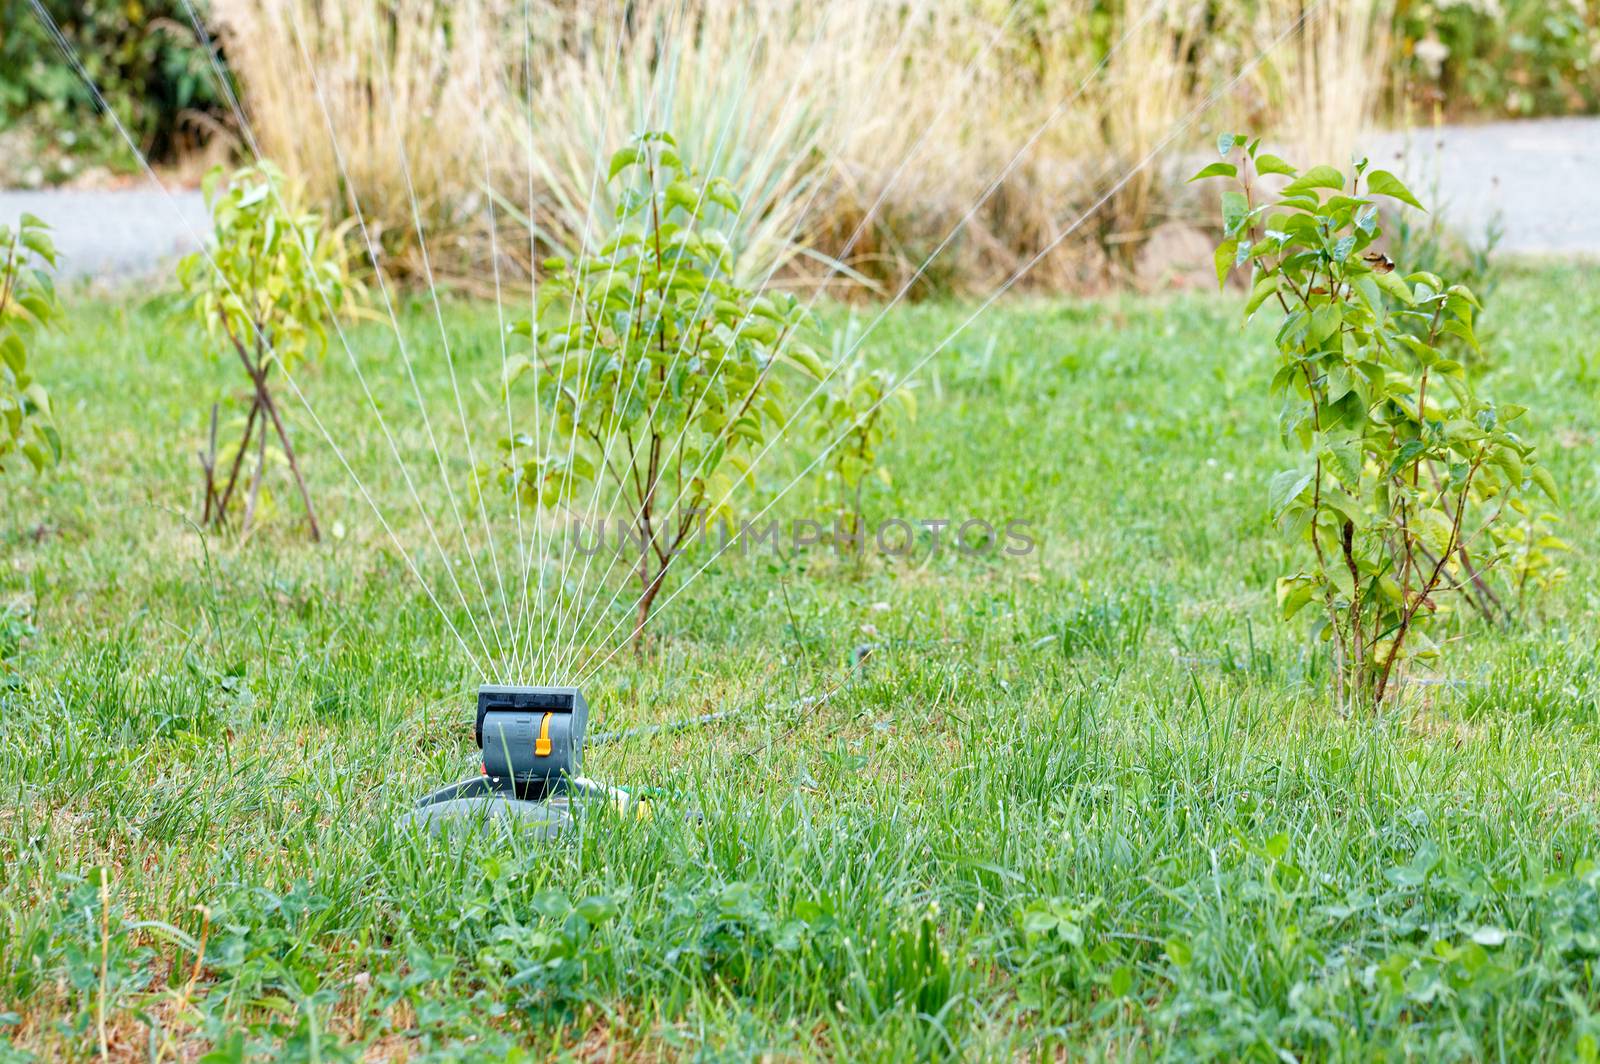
<point x="1339" y="575"/>
<point x="1465" y="293"/>
<point x="15" y="355"/>
<point x="38" y="397"/>
<point x="36" y="304"/>
<point x="1323" y="176"/>
<point x="1265" y="286"/>
<point x="720" y="193"/>
<point x="749" y="428"/>
<point x="682" y="194"/>
<point x="36" y="455"/>
<point x="1338" y="500"/>
<point x="1121" y="981"/>
<point x="620" y="161"/>
<point x="762" y="332"/>
<point x="1304" y="202"/>
<point x="255" y="193"/>
<point x="1325" y="321"/>
<point x="1396" y="287"/>
<point x="1344" y="459"/>
<point x="1436" y="530"/>
<point x="1285" y="488"/>
<point x="1294" y="592"/>
<point x="1509" y="460"/>
<point x="1216" y="170"/>
<point x="1271" y="164"/>
<point x="515" y="367"/>
<point x="808" y="361"/>
<point x="1224" y="259"/>
<point x="1464" y="331"/>
<point x="40" y="244"/>
<point x="1547" y="483"/>
<point x="1407" y="454"/>
<point x="1383" y="183"/>
<point x="1235" y="208"/>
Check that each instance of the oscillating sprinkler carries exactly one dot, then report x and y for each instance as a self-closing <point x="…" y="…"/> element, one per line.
<point x="532" y="743"/>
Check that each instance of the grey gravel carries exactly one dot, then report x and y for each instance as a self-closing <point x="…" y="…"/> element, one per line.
<point x="1542" y="178"/>
<point x="119" y="236"/>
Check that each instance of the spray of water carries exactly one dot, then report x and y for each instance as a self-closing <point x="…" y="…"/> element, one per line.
<point x="546" y="621"/>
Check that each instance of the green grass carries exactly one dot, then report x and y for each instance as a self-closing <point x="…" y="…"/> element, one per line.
<point x="1095" y="800"/>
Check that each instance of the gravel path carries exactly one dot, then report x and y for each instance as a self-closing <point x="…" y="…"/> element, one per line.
<point x="118" y="236"/>
<point x="1542" y="177"/>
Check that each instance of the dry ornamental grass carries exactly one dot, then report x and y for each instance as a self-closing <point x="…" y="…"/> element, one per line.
<point x="859" y="134"/>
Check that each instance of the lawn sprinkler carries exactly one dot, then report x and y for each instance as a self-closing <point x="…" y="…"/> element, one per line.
<point x="532" y="743"/>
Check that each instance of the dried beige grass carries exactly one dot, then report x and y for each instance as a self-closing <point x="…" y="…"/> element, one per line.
<point x="855" y="129"/>
<point x="1323" y="86"/>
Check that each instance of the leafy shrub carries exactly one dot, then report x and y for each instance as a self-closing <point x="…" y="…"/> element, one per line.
<point x="1520" y="57"/>
<point x="145" y="58"/>
<point x="27" y="303"/>
<point x="1428" y="241"/>
<point x="867" y="405"/>
<point x="16" y="628"/>
<point x="1409" y="481"/>
<point x="263" y="293"/>
<point x="663" y="374"/>
<point x="1430" y="245"/>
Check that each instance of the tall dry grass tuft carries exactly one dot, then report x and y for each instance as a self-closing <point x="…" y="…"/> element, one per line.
<point x="1149" y="88"/>
<point x="356" y="99"/>
<point x="750" y="91"/>
<point x="860" y="133"/>
<point x="1323" y="87"/>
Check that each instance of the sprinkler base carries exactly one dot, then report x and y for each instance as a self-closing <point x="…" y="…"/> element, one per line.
<point x="478" y="801"/>
<point x="532" y="743"/>
<point x="543" y="819"/>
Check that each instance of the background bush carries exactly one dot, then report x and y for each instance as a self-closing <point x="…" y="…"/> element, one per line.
<point x="146" y="59"/>
<point x="1500" y="57"/>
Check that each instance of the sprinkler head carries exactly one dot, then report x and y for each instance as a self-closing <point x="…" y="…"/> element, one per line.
<point x="531" y="737"/>
<point x="532" y="743"/>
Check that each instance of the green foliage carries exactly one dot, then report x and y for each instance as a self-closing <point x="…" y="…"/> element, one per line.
<point x="905" y="963"/>
<point x="1532" y="550"/>
<point x="1429" y="243"/>
<point x="274" y="272"/>
<point x="27" y="304"/>
<point x="664" y="377"/>
<point x="1040" y="781"/>
<point x="1409" y="481"/>
<point x="16" y="628"/>
<point x="264" y="291"/>
<point x="866" y="404"/>
<point x="1519" y="57"/>
<point x="145" y="58"/>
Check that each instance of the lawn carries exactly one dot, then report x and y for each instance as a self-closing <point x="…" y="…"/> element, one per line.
<point x="1094" y="800"/>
